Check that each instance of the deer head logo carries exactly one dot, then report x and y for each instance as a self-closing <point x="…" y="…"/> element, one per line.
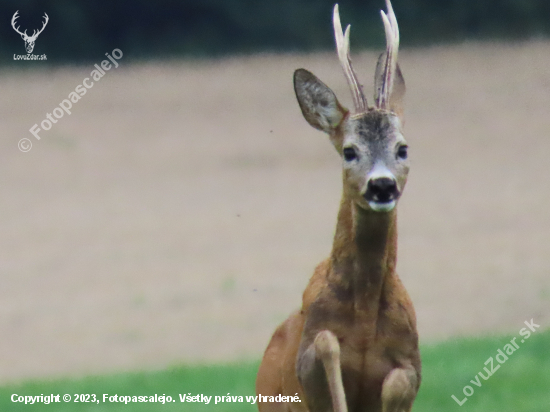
<point x="29" y="40"/>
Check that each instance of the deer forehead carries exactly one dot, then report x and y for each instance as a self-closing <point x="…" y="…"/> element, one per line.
<point x="374" y="129"/>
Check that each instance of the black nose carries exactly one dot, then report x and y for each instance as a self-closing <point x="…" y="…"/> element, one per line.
<point x="383" y="189"/>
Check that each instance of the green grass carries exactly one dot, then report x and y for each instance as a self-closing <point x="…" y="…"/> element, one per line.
<point x="522" y="384"/>
<point x="236" y="379"/>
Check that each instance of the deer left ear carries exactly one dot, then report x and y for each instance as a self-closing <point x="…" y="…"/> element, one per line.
<point x="319" y="105"/>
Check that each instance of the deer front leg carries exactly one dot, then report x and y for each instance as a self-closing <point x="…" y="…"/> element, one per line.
<point x="399" y="390"/>
<point x="320" y="374"/>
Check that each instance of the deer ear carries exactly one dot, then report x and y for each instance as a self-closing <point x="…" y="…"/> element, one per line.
<point x="319" y="105"/>
<point x="398" y="92"/>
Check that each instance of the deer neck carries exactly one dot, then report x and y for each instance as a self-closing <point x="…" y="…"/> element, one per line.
<point x="364" y="253"/>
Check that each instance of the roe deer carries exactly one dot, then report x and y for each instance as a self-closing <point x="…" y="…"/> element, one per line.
<point x="353" y="345"/>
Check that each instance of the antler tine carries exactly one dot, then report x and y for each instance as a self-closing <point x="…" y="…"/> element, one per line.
<point x="13" y="22"/>
<point x="43" y="27"/>
<point x="342" y="47"/>
<point x="15" y="16"/>
<point x="47" y="19"/>
<point x="392" y="48"/>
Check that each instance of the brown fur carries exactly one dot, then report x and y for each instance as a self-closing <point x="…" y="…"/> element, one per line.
<point x="355" y="295"/>
<point x="353" y="346"/>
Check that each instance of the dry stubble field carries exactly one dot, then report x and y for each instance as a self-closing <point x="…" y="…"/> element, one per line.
<point x="178" y="213"/>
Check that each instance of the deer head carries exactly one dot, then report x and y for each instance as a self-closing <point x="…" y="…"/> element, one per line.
<point x="29" y="40"/>
<point x="370" y="140"/>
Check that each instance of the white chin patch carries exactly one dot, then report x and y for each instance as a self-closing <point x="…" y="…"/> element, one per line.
<point x="382" y="207"/>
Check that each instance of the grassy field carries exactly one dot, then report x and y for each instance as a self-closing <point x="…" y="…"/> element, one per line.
<point x="521" y="384"/>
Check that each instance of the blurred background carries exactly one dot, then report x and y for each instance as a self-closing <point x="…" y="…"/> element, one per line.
<point x="177" y="214"/>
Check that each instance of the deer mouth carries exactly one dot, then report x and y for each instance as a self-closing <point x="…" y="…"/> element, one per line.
<point x="382" y="202"/>
<point x="379" y="206"/>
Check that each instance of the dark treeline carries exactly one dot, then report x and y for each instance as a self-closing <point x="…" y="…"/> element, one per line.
<point x="81" y="30"/>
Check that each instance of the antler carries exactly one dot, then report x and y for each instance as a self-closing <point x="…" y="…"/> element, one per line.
<point x="35" y="35"/>
<point x="390" y="64"/>
<point x="342" y="46"/>
<point x="15" y="17"/>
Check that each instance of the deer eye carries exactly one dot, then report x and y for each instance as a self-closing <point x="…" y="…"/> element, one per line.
<point x="402" y="152"/>
<point x="350" y="154"/>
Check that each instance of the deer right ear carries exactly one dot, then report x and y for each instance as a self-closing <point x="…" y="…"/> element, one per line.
<point x="319" y="105"/>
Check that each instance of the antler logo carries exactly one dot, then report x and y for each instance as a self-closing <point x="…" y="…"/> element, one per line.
<point x="29" y="40"/>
